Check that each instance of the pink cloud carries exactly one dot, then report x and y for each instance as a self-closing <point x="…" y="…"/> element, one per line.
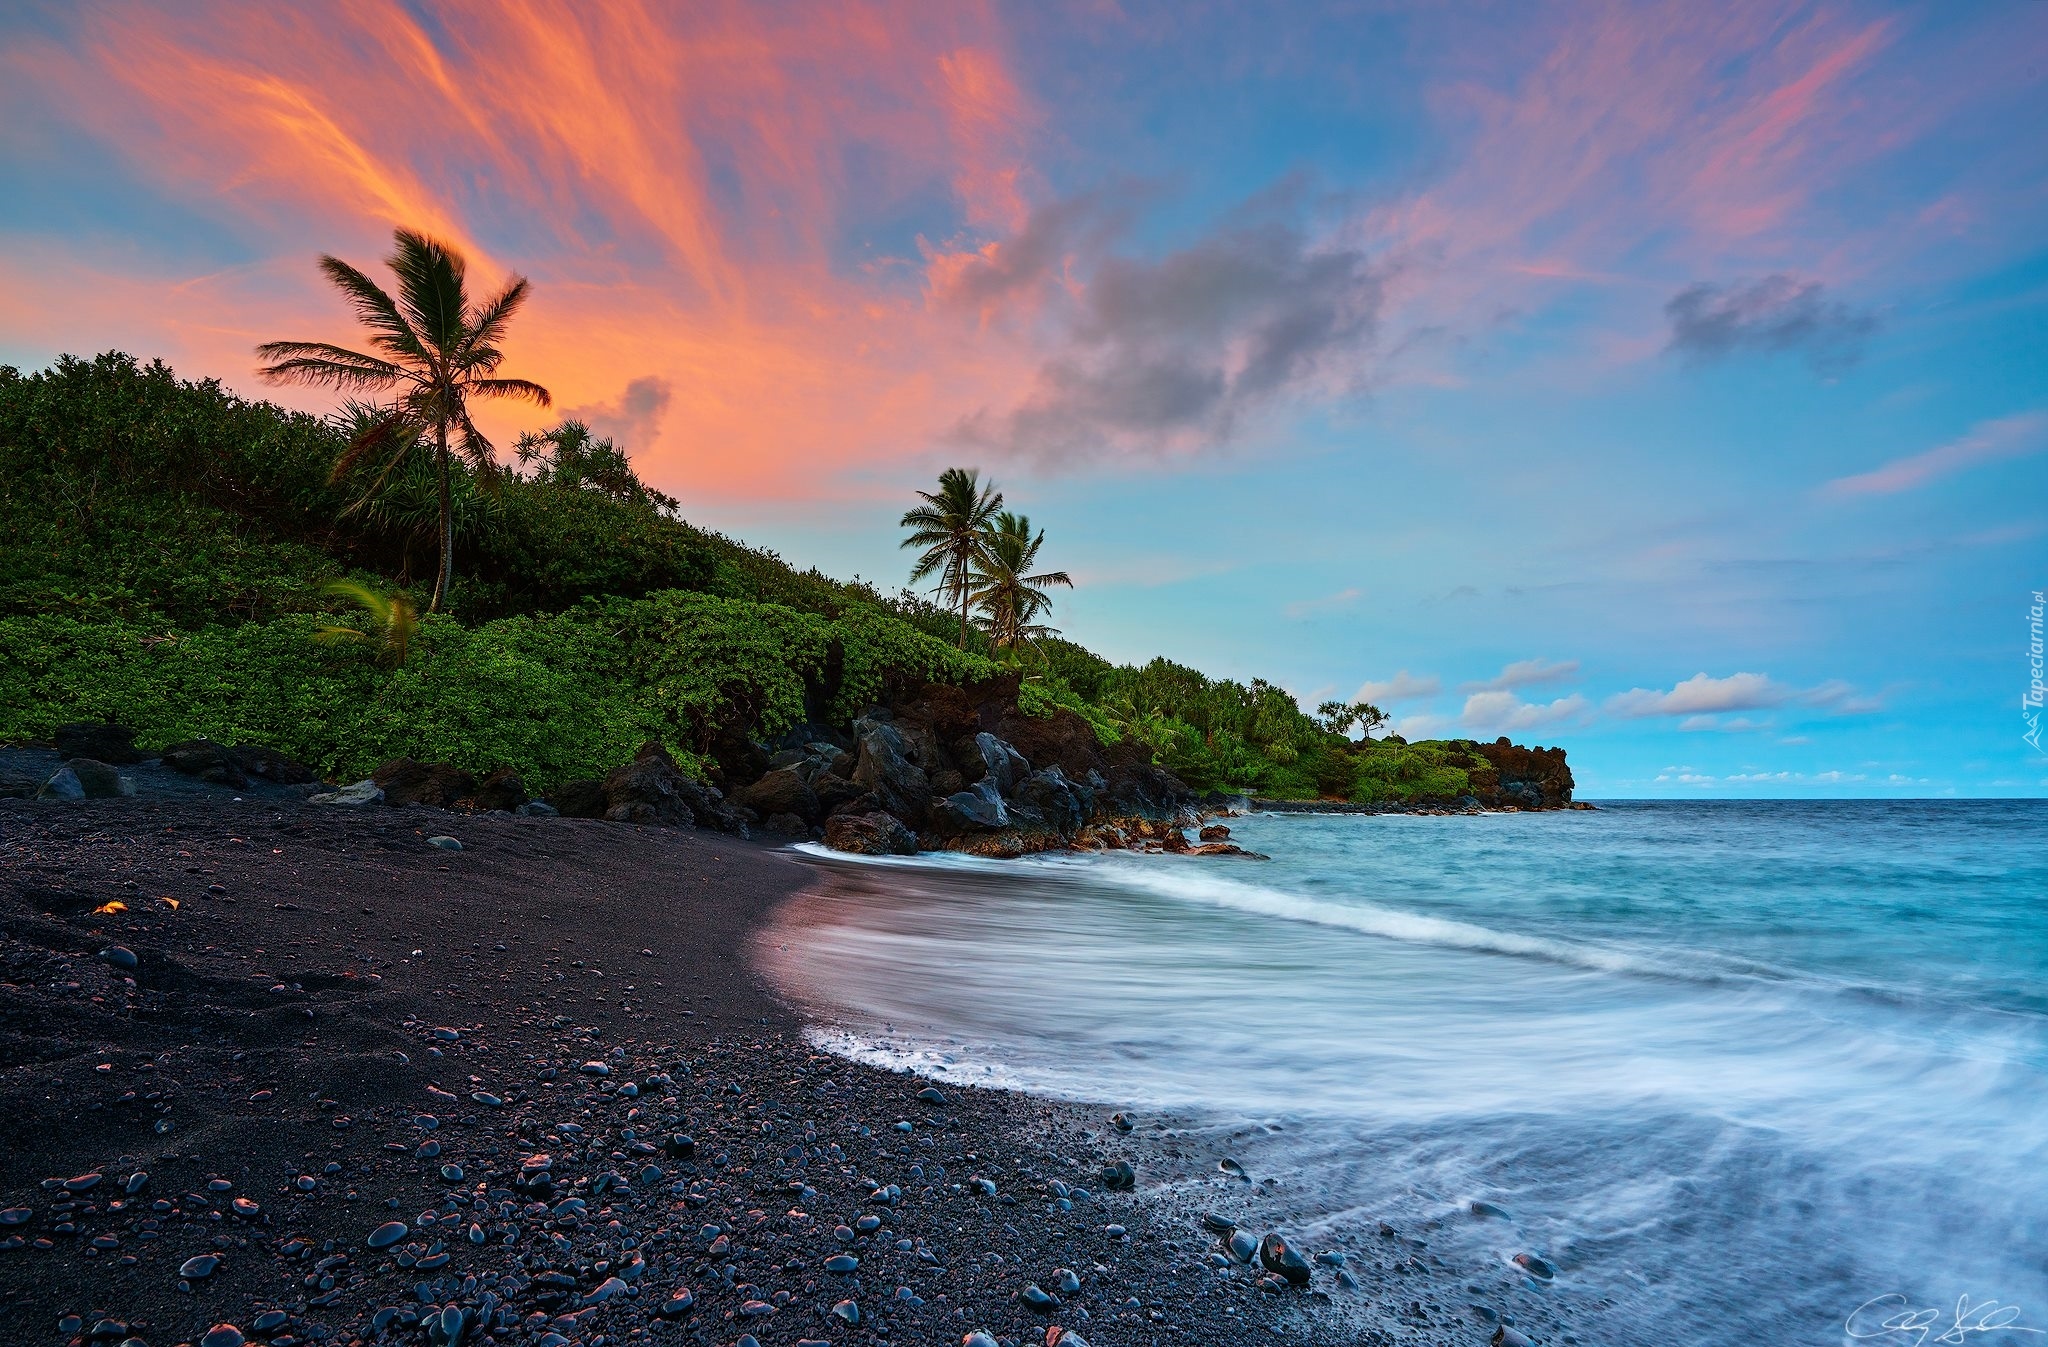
<point x="2008" y="437"/>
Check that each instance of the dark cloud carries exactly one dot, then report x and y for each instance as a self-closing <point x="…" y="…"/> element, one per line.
<point x="1778" y="314"/>
<point x="633" y="422"/>
<point x="1180" y="350"/>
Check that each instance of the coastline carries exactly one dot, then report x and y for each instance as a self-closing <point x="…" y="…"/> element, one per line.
<point x="348" y="1026"/>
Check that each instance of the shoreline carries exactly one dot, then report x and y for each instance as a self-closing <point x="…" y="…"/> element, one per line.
<point x="340" y="1025"/>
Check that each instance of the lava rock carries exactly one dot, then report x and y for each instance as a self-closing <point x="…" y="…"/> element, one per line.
<point x="884" y="770"/>
<point x="204" y="760"/>
<point x="435" y="784"/>
<point x="102" y="741"/>
<point x="871" y="834"/>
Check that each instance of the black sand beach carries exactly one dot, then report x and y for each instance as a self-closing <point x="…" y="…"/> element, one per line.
<point x="207" y="1109"/>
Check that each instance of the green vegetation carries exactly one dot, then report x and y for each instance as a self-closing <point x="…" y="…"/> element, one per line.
<point x="169" y="554"/>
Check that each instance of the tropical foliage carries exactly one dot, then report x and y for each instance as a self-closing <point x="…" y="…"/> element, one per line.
<point x="1009" y="597"/>
<point x="168" y="551"/>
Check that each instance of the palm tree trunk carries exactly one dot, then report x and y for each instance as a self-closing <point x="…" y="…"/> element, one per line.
<point x="447" y="518"/>
<point x="960" y="578"/>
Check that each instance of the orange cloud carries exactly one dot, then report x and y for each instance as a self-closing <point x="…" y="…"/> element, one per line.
<point x="687" y="189"/>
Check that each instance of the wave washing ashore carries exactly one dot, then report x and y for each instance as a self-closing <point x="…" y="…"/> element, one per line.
<point x="1725" y="1073"/>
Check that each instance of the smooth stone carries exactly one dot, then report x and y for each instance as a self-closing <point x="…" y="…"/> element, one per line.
<point x="1038" y="1298"/>
<point x="246" y="1209"/>
<point x="1534" y="1266"/>
<point x="1508" y="1337"/>
<point x="1232" y="1168"/>
<point x="1330" y="1258"/>
<point x="1280" y="1256"/>
<point x="1122" y="1122"/>
<point x="388" y="1234"/>
<point x="1067" y="1280"/>
<point x="868" y="1224"/>
<point x="84" y="1183"/>
<point x="270" y="1321"/>
<point x="1119" y="1177"/>
<point x="16" y="1216"/>
<point x="682" y="1302"/>
<point x="1243" y="1245"/>
<point x="192" y="1269"/>
<point x="1488" y="1210"/>
<point x="978" y="1339"/>
<point x="222" y="1335"/>
<point x="754" y="1309"/>
<point x="595" y="1069"/>
<point x="120" y="956"/>
<point x="445" y="843"/>
<point x="842" y="1262"/>
<point x="451" y="1173"/>
<point x="847" y="1311"/>
<point x="932" y="1095"/>
<point x="1222" y="1225"/>
<point x="136" y="1183"/>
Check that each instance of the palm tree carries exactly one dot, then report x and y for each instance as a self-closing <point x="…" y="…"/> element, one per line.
<point x="1009" y="596"/>
<point x="952" y="526"/>
<point x="435" y="351"/>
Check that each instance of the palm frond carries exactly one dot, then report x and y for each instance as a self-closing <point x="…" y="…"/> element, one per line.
<point x="374" y="309"/>
<point x="487" y="325"/>
<point x="361" y="374"/>
<point x="430" y="289"/>
<point x="523" y="390"/>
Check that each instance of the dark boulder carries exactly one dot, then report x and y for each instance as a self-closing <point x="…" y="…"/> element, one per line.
<point x="786" y="825"/>
<point x="204" y="760"/>
<point x="871" y="834"/>
<point x="101" y="741"/>
<point x="1215" y="832"/>
<point x="1529" y="778"/>
<point x="652" y="790"/>
<point x="834" y="792"/>
<point x="501" y="790"/>
<point x="579" y="799"/>
<point x="782" y="791"/>
<point x="1000" y="763"/>
<point x="886" y="771"/>
<point x="98" y="780"/>
<point x="435" y="784"/>
<point x="976" y="809"/>
<point x="1050" y="801"/>
<point x="1142" y="791"/>
<point x="267" y="764"/>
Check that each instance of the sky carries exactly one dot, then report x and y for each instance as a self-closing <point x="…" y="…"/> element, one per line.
<point x="1661" y="380"/>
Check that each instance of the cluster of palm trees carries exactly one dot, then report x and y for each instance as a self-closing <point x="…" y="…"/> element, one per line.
<point x="434" y="351"/>
<point x="983" y="556"/>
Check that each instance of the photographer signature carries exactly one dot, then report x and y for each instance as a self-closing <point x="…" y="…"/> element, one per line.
<point x="1888" y="1315"/>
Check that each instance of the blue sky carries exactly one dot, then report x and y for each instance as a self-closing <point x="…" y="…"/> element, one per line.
<point x="1664" y="381"/>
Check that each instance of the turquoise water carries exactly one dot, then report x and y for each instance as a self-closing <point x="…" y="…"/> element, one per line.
<point x="1735" y="1068"/>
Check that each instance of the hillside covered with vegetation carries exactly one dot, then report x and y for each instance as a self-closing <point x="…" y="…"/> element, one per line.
<point x="167" y="551"/>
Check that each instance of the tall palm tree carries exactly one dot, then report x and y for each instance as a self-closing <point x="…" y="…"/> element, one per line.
<point x="1008" y="595"/>
<point x="435" y="351"/>
<point x="952" y="526"/>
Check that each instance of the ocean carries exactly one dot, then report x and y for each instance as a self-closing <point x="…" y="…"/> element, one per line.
<point x="1732" y="1069"/>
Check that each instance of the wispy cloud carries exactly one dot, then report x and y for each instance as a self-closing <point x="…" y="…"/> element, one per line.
<point x="2008" y="437"/>
<point x="1496" y="712"/>
<point x="1775" y="315"/>
<point x="1402" y="687"/>
<point x="1524" y="673"/>
<point x="1703" y="696"/>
